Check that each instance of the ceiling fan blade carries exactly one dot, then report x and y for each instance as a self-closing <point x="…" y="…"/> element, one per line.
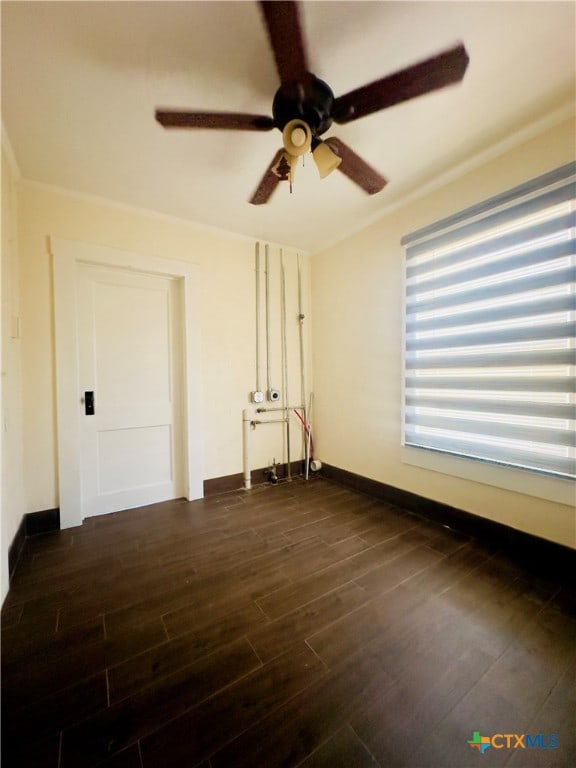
<point x="434" y="73"/>
<point x="231" y="120"/>
<point x="282" y="21"/>
<point x="355" y="168"/>
<point x="268" y="182"/>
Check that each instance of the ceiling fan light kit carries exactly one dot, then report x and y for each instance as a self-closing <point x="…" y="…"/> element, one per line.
<point x="304" y="107"/>
<point x="297" y="137"/>
<point x="326" y="160"/>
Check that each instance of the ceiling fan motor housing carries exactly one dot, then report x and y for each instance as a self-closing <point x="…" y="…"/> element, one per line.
<point x="309" y="99"/>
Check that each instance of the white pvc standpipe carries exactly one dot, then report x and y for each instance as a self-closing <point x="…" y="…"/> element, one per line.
<point x="245" y="450"/>
<point x="309" y="436"/>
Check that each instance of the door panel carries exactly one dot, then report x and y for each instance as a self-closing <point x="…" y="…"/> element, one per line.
<point x="131" y="448"/>
<point x="117" y="449"/>
<point x="131" y="325"/>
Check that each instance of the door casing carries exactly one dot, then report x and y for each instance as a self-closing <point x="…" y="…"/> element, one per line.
<point x="66" y="256"/>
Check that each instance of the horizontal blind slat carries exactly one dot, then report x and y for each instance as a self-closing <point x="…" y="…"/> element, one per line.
<point x="416" y="268"/>
<point x="518" y="408"/>
<point x="493" y="336"/>
<point x="497" y="269"/>
<point x="522" y="383"/>
<point x="479" y="221"/>
<point x="513" y="311"/>
<point x="535" y="360"/>
<point x="565" y="437"/>
<point x="562" y="176"/>
<point x="560" y="277"/>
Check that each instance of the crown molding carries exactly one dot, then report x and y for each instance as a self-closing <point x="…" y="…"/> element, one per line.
<point x="560" y="115"/>
<point x="153" y="214"/>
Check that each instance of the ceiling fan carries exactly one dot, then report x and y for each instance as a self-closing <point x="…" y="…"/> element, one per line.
<point x="304" y="106"/>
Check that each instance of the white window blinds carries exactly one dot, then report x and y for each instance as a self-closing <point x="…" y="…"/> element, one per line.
<point x="490" y="307"/>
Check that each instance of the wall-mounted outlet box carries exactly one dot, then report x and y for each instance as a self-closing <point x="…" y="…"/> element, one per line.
<point x="273" y="395"/>
<point x="257" y="397"/>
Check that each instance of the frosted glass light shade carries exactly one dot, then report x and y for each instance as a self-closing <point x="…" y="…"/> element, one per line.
<point x="326" y="160"/>
<point x="296" y="138"/>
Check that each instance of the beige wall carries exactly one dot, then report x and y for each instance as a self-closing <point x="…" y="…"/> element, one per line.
<point x="227" y="329"/>
<point x="356" y="298"/>
<point x="12" y="496"/>
<point x="357" y="336"/>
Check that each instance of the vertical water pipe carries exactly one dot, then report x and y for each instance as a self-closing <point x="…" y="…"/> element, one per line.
<point x="301" y="337"/>
<point x="267" y="297"/>
<point x="302" y="375"/>
<point x="285" y="361"/>
<point x="257" y="287"/>
<point x="245" y="455"/>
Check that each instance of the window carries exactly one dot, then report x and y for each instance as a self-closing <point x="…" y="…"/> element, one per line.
<point x="490" y="326"/>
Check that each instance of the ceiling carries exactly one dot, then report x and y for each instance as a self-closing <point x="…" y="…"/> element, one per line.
<point x="81" y="81"/>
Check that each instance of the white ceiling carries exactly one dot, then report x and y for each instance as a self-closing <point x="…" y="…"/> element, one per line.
<point x="81" y="80"/>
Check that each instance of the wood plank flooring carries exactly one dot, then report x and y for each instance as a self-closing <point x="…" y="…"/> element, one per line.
<point x="303" y="624"/>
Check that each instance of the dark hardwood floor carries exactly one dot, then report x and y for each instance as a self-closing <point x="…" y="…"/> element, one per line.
<point x="303" y="624"/>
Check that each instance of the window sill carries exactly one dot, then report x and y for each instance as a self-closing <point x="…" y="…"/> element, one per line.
<point x="529" y="483"/>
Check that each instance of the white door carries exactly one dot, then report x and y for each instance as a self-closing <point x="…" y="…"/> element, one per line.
<point x="129" y="357"/>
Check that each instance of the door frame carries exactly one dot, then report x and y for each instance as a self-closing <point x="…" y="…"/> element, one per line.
<point x="66" y="256"/>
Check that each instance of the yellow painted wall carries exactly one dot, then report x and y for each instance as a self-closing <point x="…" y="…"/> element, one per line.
<point x="356" y="300"/>
<point x="357" y="336"/>
<point x="12" y="503"/>
<point x="227" y="329"/>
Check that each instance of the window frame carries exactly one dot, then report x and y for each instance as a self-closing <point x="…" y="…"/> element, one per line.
<point x="518" y="479"/>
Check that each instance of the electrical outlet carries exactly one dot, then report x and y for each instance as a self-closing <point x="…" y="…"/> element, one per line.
<point x="273" y="395"/>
